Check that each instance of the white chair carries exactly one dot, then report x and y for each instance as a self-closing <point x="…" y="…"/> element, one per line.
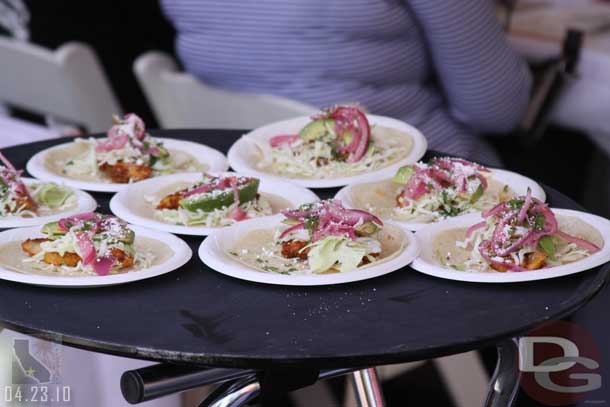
<point x="180" y="100"/>
<point x="67" y="85"/>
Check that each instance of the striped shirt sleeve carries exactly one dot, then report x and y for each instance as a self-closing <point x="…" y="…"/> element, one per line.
<point x="486" y="84"/>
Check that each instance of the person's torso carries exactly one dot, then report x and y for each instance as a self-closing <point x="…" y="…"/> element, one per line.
<point x="300" y="48"/>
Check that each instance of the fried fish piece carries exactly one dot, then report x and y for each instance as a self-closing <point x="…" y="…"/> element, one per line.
<point x="365" y="259"/>
<point x="534" y="260"/>
<point x="32" y="248"/>
<point x="498" y="267"/>
<point x="123" y="259"/>
<point x="122" y="172"/>
<point x="401" y="200"/>
<point x="171" y="201"/>
<point x="27" y="203"/>
<point x="70" y="259"/>
<point x="292" y="249"/>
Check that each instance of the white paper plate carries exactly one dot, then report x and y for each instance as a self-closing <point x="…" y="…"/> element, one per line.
<point x="212" y="253"/>
<point x="85" y="203"/>
<point x="240" y="158"/>
<point x="214" y="159"/>
<point x="516" y="182"/>
<point x="428" y="264"/>
<point x="125" y="203"/>
<point x="182" y="254"/>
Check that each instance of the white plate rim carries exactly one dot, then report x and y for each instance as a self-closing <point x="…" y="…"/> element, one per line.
<point x="120" y="209"/>
<point x="35" y="165"/>
<point x="511" y="178"/>
<point x="85" y="203"/>
<point x="425" y="266"/>
<point x="182" y="254"/>
<point x="214" y="257"/>
<point x="420" y="144"/>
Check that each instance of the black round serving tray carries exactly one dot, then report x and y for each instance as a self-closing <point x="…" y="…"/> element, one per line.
<point x="196" y="315"/>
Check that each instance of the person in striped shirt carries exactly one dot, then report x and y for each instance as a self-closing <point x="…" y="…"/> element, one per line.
<point x="443" y="66"/>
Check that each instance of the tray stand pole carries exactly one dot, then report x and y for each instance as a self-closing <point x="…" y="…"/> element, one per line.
<point x="234" y="394"/>
<point x="504" y="384"/>
<point x="368" y="388"/>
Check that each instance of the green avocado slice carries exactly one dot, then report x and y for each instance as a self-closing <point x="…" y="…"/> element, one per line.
<point x="52" y="195"/>
<point x="403" y="175"/>
<point x="209" y="201"/>
<point x="52" y="230"/>
<point x="316" y="129"/>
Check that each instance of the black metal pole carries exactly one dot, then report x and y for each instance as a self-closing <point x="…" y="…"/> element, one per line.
<point x="161" y="380"/>
<point x="504" y="383"/>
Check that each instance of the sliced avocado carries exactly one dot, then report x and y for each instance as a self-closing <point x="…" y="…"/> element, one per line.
<point x="52" y="230"/>
<point x="347" y="137"/>
<point x="316" y="129"/>
<point x="290" y="221"/>
<point x="52" y="195"/>
<point x="163" y="152"/>
<point x="129" y="237"/>
<point x="477" y="194"/>
<point x="366" y="229"/>
<point x="403" y="175"/>
<point x="546" y="243"/>
<point x="210" y="201"/>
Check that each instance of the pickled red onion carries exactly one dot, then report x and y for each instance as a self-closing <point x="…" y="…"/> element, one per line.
<point x="86" y="248"/>
<point x="103" y="265"/>
<point x="592" y="248"/>
<point x="277" y="141"/>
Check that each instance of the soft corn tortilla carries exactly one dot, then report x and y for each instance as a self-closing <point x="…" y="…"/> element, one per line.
<point x="444" y="242"/>
<point x="393" y="242"/>
<point x="382" y="136"/>
<point x="55" y="161"/>
<point x="380" y="197"/>
<point x="12" y="256"/>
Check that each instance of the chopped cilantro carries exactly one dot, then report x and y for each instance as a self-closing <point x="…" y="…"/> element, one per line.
<point x="444" y="197"/>
<point x="546" y="243"/>
<point x="515" y="203"/>
<point x="311" y="223"/>
<point x="539" y="221"/>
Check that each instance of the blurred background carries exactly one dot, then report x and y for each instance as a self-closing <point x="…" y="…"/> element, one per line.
<point x="529" y="91"/>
